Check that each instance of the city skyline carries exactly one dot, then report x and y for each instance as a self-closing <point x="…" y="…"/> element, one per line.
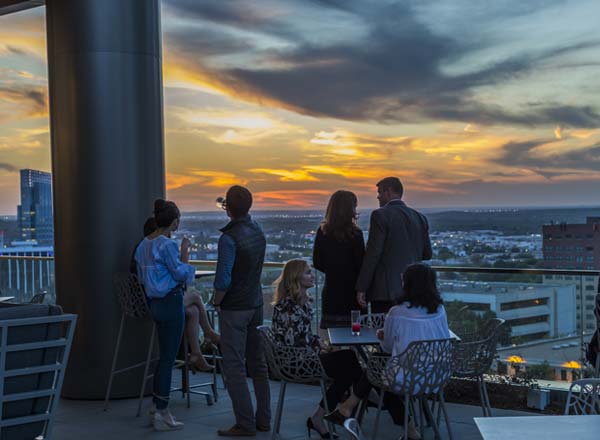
<point x="488" y="105"/>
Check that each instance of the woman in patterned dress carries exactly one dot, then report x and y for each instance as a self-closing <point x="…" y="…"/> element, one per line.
<point x="292" y="326"/>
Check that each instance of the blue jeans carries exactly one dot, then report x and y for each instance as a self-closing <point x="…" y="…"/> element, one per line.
<point x="169" y="315"/>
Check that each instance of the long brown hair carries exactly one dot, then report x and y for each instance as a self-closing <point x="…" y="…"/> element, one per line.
<point x="288" y="283"/>
<point x="340" y="217"/>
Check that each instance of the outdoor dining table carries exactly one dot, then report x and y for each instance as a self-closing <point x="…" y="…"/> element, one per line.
<point x="343" y="337"/>
<point x="548" y="427"/>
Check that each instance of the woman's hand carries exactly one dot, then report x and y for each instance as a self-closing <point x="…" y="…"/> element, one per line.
<point x="380" y="334"/>
<point x="185" y="244"/>
<point x="185" y="250"/>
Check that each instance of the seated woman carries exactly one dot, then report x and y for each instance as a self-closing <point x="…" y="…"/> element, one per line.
<point x="195" y="313"/>
<point x="419" y="316"/>
<point x="291" y="325"/>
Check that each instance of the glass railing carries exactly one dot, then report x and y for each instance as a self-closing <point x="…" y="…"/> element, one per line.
<point x="549" y="314"/>
<point x="24" y="277"/>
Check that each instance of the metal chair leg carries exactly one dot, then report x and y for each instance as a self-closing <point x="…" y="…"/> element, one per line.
<point x="114" y="363"/>
<point x="422" y="403"/>
<point x="434" y="425"/>
<point x="487" y="399"/>
<point x="407" y="406"/>
<point x="146" y="368"/>
<point x="279" y="410"/>
<point x="379" y="406"/>
<point x="443" y="406"/>
<point x="481" y="397"/>
<point x="330" y="426"/>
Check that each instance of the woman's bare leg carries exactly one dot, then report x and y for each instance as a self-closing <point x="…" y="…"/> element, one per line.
<point x="193" y="333"/>
<point x="194" y="299"/>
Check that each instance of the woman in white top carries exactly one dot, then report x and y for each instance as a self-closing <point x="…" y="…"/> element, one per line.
<point x="419" y="316"/>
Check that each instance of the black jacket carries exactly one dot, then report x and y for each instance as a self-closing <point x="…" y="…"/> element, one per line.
<point x="398" y="237"/>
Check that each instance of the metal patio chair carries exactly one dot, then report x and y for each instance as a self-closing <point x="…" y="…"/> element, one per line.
<point x="292" y="365"/>
<point x="475" y="354"/>
<point x="586" y="401"/>
<point x="426" y="368"/>
<point x="38" y="298"/>
<point x="375" y="320"/>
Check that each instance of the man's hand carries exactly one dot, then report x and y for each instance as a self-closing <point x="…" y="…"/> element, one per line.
<point x="380" y="334"/>
<point x="360" y="299"/>
<point x="217" y="299"/>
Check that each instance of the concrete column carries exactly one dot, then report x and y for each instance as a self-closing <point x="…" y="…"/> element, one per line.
<point x="106" y="126"/>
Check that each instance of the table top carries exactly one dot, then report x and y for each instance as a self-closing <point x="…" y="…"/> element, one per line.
<point x="344" y="336"/>
<point x="204" y="273"/>
<point x="6" y="298"/>
<point x="531" y="427"/>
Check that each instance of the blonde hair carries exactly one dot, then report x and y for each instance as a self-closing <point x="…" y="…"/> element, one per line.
<point x="288" y="283"/>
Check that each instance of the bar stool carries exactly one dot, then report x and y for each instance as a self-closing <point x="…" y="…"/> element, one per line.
<point x="184" y="363"/>
<point x="132" y="299"/>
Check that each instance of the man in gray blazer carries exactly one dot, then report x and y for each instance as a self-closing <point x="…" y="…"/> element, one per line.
<point x="398" y="237"/>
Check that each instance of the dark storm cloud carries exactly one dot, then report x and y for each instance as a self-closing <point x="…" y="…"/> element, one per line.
<point x="8" y="167"/>
<point x="523" y="155"/>
<point x="35" y="98"/>
<point x="198" y="42"/>
<point x="394" y="73"/>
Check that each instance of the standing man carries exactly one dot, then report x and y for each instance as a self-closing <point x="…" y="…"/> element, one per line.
<point x="239" y="300"/>
<point x="398" y="237"/>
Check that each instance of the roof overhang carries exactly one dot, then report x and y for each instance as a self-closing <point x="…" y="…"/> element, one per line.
<point x="10" y="6"/>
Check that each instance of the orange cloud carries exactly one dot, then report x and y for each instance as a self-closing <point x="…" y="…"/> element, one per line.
<point x="204" y="178"/>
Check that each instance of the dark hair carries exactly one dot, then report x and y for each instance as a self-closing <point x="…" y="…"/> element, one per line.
<point x="238" y="201"/>
<point x="150" y="226"/>
<point x="165" y="212"/>
<point x="340" y="217"/>
<point x="420" y="287"/>
<point x="391" y="183"/>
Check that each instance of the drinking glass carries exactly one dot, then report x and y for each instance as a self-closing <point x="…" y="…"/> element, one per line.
<point x="355" y="321"/>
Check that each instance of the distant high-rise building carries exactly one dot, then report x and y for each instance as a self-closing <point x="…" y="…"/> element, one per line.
<point x="575" y="246"/>
<point x="35" y="211"/>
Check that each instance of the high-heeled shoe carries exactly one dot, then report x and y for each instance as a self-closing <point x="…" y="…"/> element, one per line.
<point x="310" y="426"/>
<point x="199" y="364"/>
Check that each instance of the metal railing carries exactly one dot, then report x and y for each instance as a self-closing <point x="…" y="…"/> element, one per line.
<point x="563" y="314"/>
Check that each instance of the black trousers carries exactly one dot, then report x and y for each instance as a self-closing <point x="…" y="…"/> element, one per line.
<point x="381" y="306"/>
<point x="345" y="371"/>
<point x="392" y="402"/>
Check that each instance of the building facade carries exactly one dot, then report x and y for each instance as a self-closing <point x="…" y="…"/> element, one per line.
<point x="534" y="311"/>
<point x="34" y="214"/>
<point x="575" y="246"/>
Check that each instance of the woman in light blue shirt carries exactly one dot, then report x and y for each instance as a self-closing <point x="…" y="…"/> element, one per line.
<point x="164" y="271"/>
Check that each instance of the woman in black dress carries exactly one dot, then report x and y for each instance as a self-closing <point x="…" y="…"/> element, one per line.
<point x="338" y="252"/>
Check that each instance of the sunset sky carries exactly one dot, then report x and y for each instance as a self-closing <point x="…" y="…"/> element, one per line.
<point x="487" y="103"/>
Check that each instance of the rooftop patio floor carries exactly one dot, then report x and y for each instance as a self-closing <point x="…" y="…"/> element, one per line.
<point x="87" y="420"/>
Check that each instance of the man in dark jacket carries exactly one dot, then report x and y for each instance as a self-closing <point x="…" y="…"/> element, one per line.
<point x="239" y="299"/>
<point x="398" y="237"/>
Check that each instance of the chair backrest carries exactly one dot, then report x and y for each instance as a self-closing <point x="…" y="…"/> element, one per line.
<point x="38" y="298"/>
<point x="34" y="352"/>
<point x="424" y="368"/>
<point x="375" y="320"/>
<point x="292" y="364"/>
<point x="353" y="428"/>
<point x="476" y="352"/>
<point x="586" y="401"/>
<point x="131" y="295"/>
